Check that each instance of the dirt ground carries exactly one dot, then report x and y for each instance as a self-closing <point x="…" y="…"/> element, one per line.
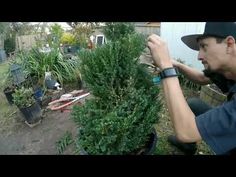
<point x="16" y="137"/>
<point x="40" y="139"/>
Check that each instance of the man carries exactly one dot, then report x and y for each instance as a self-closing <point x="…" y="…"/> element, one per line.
<point x="217" y="52"/>
<point x="196" y="104"/>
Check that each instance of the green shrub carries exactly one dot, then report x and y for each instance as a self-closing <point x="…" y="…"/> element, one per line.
<point x="117" y="30"/>
<point x="10" y="45"/>
<point x="68" y="38"/>
<point x="120" y="116"/>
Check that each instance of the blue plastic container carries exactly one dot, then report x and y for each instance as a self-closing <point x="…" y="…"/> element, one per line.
<point x="38" y="95"/>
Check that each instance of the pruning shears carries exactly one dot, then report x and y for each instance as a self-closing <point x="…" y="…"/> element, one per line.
<point x="66" y="100"/>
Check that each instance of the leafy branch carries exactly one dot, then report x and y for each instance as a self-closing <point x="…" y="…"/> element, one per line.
<point x="63" y="142"/>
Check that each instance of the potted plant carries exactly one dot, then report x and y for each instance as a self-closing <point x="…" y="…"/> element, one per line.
<point x="8" y="91"/>
<point x="120" y="117"/>
<point x="9" y="87"/>
<point x="24" y="99"/>
<point x="36" y="64"/>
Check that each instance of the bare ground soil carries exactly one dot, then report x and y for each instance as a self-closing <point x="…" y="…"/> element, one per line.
<point x="16" y="137"/>
<point x="19" y="138"/>
<point x="40" y="139"/>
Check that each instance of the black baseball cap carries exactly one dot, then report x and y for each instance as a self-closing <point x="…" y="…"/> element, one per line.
<point x="213" y="29"/>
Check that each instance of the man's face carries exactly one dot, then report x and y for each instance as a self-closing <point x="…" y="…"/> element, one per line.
<point x="211" y="53"/>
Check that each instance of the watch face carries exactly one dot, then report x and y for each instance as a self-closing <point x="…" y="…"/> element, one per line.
<point x="169" y="72"/>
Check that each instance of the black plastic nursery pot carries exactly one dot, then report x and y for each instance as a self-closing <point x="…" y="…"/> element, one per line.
<point x="32" y="113"/>
<point x="149" y="149"/>
<point x="151" y="144"/>
<point x="8" y="93"/>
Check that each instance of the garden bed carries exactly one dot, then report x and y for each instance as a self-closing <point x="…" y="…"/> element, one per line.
<point x="18" y="138"/>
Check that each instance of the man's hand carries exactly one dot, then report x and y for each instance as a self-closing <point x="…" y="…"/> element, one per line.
<point x="159" y="51"/>
<point x="175" y="63"/>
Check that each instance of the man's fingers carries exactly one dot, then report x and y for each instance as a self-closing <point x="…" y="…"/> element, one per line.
<point x="151" y="38"/>
<point x="154" y="36"/>
<point x="150" y="45"/>
<point x="154" y="39"/>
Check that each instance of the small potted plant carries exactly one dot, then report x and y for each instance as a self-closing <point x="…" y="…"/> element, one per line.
<point x="9" y="88"/>
<point x="14" y="77"/>
<point x="8" y="91"/>
<point x="23" y="98"/>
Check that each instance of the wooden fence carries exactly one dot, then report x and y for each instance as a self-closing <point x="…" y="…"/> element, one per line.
<point x="26" y="42"/>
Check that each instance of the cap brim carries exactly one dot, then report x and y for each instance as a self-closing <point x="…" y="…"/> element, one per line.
<point x="191" y="41"/>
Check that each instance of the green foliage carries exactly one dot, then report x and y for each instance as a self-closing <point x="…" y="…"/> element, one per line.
<point x="122" y="129"/>
<point x="36" y="63"/>
<point x="68" y="38"/>
<point x="163" y="146"/>
<point x="7" y="36"/>
<point x="10" y="44"/>
<point x="185" y="82"/>
<point x="109" y="70"/>
<point x="7" y="80"/>
<point x="117" y="30"/>
<point x="120" y="117"/>
<point x="63" y="142"/>
<point x="23" y="97"/>
<point x="5" y="77"/>
<point x="87" y="24"/>
<point x="82" y="31"/>
<point x="56" y="32"/>
<point x="4" y="28"/>
<point x="14" y="29"/>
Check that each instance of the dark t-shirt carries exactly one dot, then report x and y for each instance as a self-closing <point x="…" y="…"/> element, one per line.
<point x="217" y="126"/>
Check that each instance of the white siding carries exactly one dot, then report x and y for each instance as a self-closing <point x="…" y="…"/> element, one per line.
<point x="172" y="32"/>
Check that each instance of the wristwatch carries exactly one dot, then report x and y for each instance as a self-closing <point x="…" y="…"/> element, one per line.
<point x="169" y="72"/>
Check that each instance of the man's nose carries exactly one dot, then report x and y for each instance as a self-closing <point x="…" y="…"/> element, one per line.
<point x="200" y="55"/>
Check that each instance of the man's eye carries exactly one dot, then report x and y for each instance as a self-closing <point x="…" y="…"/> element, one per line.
<point x="202" y="46"/>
